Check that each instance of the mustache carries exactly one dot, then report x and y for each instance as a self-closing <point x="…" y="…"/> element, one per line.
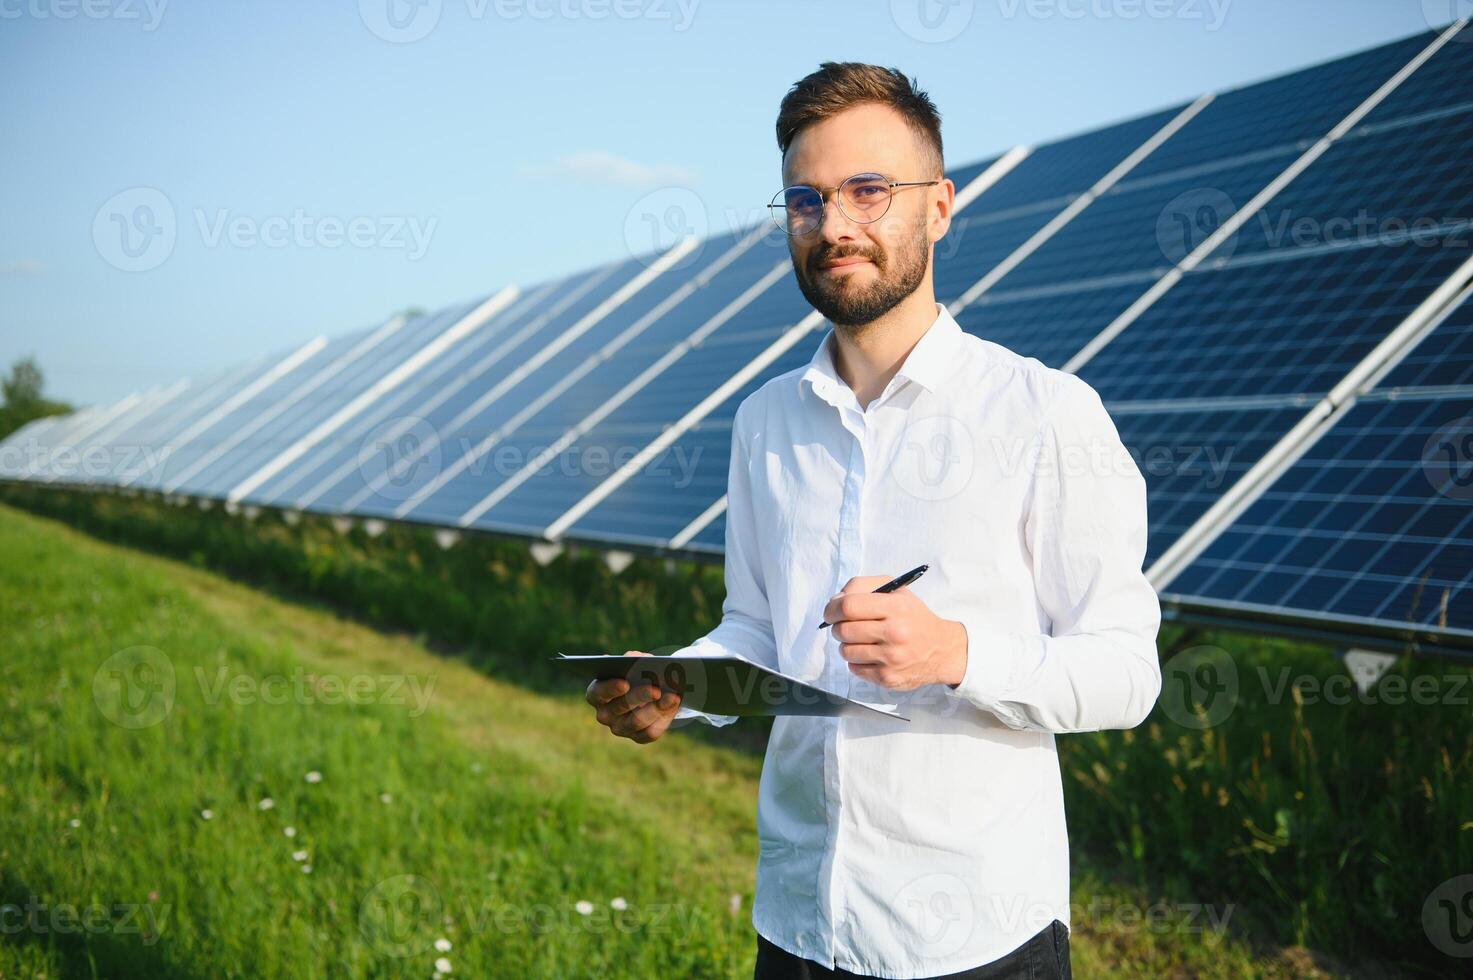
<point x="816" y="260"/>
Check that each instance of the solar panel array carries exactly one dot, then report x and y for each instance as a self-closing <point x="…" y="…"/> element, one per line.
<point x="1265" y="285"/>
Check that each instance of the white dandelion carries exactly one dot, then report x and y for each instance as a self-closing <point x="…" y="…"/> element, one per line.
<point x="299" y="855"/>
<point x="74" y="822"/>
<point x="619" y="904"/>
<point x="266" y="804"/>
<point x="584" y="908"/>
<point x="385" y="798"/>
<point x="442" y="945"/>
<point x="306" y="869"/>
<point x="313" y="777"/>
<point x="207" y="814"/>
<point x="289" y="831"/>
<point x="442" y="965"/>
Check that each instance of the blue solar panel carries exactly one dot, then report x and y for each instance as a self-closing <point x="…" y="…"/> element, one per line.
<point x="1439" y="85"/>
<point x="1052" y="323"/>
<point x="1291" y="110"/>
<point x="678" y="485"/>
<point x="289" y="411"/>
<point x="335" y="464"/>
<point x="495" y="404"/>
<point x="1367" y="526"/>
<point x="644" y="411"/>
<point x="1025" y="199"/>
<point x="183" y="453"/>
<point x="1190" y="457"/>
<point x="1380" y="183"/>
<point x="1443" y="358"/>
<point x="1294" y="324"/>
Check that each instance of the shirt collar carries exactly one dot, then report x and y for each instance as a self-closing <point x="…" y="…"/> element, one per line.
<point x="927" y="364"/>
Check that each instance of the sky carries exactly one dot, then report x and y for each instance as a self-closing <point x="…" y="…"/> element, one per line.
<point x="189" y="184"/>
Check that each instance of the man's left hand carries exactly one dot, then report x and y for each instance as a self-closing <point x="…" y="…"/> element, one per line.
<point x="893" y="639"/>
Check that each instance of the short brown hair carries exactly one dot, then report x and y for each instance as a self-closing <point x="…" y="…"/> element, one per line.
<point x="840" y="85"/>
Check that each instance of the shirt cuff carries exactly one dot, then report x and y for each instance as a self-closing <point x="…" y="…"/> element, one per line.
<point x="994" y="660"/>
<point x="717" y="720"/>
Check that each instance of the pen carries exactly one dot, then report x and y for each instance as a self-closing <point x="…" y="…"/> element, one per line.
<point x="899" y="582"/>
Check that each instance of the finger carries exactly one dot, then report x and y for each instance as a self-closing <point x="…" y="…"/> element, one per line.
<point x="856" y="605"/>
<point x="638" y="695"/>
<point x="874" y="673"/>
<point x="636" y="720"/>
<point x="648" y="735"/>
<point x="601" y="691"/>
<point x="859" y="630"/>
<point x="865" y="583"/>
<point x="863" y="653"/>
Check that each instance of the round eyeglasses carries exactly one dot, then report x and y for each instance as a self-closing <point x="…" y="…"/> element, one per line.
<point x="863" y="198"/>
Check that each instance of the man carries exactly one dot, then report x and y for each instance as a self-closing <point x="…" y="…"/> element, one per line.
<point x="935" y="847"/>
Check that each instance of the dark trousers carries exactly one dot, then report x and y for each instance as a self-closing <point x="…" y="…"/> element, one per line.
<point x="1043" y="957"/>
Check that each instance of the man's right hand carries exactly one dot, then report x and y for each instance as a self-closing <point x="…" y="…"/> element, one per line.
<point x="641" y="712"/>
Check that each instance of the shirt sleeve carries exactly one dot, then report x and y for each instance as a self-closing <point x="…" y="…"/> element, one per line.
<point x="1097" y="667"/>
<point x="745" y="629"/>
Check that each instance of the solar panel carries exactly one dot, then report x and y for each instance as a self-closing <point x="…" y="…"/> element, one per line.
<point x="641" y="381"/>
<point x="456" y="426"/>
<point x="1025" y="199"/>
<point x="1294" y="323"/>
<point x="1365" y="528"/>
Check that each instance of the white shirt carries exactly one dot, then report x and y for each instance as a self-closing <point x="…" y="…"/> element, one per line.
<point x="930" y="847"/>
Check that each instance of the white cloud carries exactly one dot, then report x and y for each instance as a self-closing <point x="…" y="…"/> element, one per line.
<point x="603" y="168"/>
<point x="22" y="268"/>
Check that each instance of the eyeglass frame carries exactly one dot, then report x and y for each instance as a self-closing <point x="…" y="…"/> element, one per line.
<point x="825" y="192"/>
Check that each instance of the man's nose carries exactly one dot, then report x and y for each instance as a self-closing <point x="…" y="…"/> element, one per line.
<point x="835" y="225"/>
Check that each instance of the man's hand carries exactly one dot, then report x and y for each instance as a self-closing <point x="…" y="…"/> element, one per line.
<point x="640" y="713"/>
<point x="893" y="639"/>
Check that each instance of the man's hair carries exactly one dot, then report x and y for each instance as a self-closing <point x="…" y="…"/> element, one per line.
<point x="840" y="85"/>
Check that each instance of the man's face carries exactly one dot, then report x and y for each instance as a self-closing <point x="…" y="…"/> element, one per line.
<point x="851" y="272"/>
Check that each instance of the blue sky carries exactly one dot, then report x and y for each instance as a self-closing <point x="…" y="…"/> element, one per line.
<point x="187" y="184"/>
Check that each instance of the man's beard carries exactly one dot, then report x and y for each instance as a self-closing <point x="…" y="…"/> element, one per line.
<point x="897" y="275"/>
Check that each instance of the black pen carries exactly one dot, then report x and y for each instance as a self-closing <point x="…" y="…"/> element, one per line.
<point x="899" y="582"/>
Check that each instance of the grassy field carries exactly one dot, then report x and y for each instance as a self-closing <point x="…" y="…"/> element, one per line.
<point x="430" y="802"/>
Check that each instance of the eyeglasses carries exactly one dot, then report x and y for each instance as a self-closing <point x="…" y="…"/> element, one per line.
<point x="863" y="198"/>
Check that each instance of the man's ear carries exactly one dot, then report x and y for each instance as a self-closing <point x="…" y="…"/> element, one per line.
<point x="941" y="209"/>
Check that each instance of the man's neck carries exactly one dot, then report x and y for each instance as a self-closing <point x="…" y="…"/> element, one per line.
<point x="867" y="359"/>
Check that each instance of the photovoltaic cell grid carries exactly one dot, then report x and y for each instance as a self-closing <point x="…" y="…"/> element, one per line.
<point x="1374" y="523"/>
<point x="595" y="374"/>
<point x="1371" y="525"/>
<point x="1114" y="250"/>
<point x="1025" y="199"/>
<point x="1375" y="520"/>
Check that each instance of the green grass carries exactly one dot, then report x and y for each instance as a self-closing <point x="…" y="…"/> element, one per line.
<point x="513" y="805"/>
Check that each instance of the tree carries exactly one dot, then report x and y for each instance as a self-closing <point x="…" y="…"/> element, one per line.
<point x="24" y="392"/>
